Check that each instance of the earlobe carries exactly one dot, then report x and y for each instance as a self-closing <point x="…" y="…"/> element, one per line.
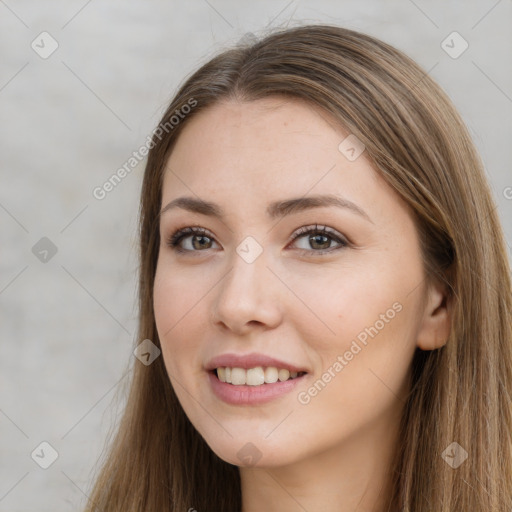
<point x="436" y="322"/>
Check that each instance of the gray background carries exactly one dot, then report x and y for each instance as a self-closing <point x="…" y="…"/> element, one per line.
<point x="69" y="121"/>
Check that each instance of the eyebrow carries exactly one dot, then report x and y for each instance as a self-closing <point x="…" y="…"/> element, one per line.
<point x="275" y="210"/>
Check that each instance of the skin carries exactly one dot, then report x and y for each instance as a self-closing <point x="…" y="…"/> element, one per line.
<point x="332" y="453"/>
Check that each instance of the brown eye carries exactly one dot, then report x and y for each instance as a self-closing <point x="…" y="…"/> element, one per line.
<point x="319" y="239"/>
<point x="201" y="239"/>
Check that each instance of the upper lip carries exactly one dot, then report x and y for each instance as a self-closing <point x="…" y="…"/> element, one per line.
<point x="250" y="361"/>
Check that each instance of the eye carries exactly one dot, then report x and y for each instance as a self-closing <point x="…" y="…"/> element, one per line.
<point x="195" y="234"/>
<point x="319" y="238"/>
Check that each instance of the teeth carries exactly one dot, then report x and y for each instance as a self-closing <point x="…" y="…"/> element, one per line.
<point x="284" y="375"/>
<point x="271" y="375"/>
<point x="254" y="376"/>
<point x="238" y="376"/>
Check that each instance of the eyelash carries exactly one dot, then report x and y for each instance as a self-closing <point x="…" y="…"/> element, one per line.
<point x="175" y="239"/>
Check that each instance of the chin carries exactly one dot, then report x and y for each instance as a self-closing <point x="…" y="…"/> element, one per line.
<point x="247" y="451"/>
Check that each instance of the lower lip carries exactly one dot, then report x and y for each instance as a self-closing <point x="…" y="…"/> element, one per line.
<point x="251" y="395"/>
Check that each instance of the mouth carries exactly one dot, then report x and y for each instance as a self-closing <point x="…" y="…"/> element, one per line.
<point x="253" y="378"/>
<point x="253" y="386"/>
<point x="257" y="376"/>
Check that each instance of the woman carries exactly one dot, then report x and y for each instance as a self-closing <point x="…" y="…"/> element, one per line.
<point x="324" y="272"/>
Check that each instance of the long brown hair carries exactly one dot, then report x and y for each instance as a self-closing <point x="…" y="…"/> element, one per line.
<point x="460" y="393"/>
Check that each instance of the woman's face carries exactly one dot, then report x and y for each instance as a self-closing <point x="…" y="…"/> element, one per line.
<point x="276" y="284"/>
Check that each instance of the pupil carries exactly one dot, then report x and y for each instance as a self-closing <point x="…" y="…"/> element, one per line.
<point x="201" y="237"/>
<point x="326" y="240"/>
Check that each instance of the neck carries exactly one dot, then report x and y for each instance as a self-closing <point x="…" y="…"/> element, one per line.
<point x="354" y="476"/>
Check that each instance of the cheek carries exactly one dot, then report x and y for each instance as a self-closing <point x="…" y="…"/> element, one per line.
<point x="359" y="384"/>
<point x="364" y="353"/>
<point x="362" y="301"/>
<point x="179" y="318"/>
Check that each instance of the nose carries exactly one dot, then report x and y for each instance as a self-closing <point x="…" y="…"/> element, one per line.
<point x="248" y="297"/>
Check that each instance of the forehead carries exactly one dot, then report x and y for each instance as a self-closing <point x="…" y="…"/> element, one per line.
<point x="253" y="122"/>
<point x="245" y="157"/>
<point x="274" y="141"/>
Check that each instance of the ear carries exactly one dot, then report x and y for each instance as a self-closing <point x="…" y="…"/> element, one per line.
<point x="436" y="321"/>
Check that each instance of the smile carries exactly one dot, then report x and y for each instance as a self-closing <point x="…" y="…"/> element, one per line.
<point x="257" y="376"/>
<point x="242" y="392"/>
<point x="251" y="379"/>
